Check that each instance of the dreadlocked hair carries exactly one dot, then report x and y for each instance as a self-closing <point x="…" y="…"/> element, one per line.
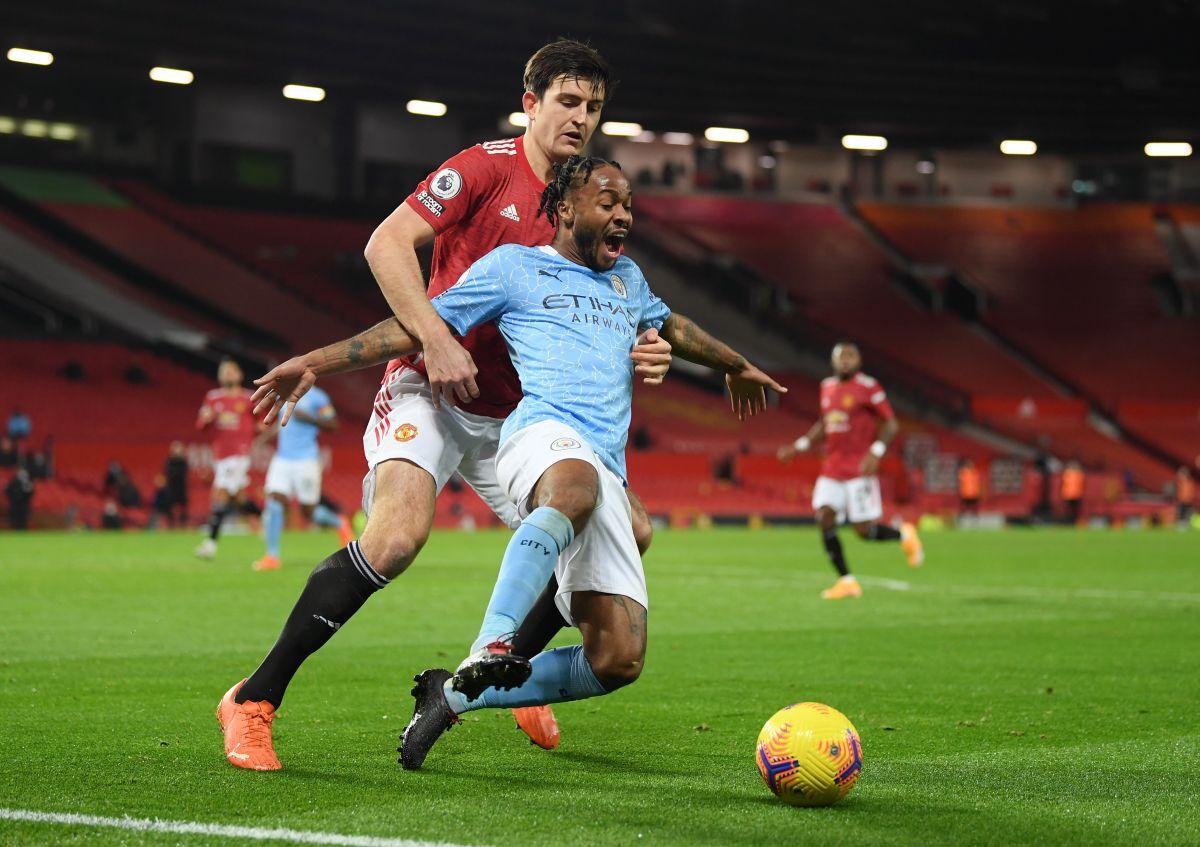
<point x="571" y="174"/>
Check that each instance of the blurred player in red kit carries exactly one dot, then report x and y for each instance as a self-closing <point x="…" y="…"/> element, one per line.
<point x="228" y="415"/>
<point x="857" y="424"/>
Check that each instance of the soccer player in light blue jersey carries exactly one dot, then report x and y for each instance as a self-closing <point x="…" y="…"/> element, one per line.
<point x="295" y="474"/>
<point x="570" y="313"/>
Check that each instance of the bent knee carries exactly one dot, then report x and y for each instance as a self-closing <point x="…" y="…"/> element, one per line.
<point x="616" y="671"/>
<point x="391" y="553"/>
<point x="643" y="534"/>
<point x="576" y="504"/>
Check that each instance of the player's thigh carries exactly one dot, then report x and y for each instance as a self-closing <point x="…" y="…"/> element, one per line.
<point x="401" y="516"/>
<point x="613" y="627"/>
<point x="306" y="484"/>
<point x="830" y="495"/>
<point x="478" y="470"/>
<point x="643" y="529"/>
<point x="545" y="461"/>
<point x="864" y="500"/>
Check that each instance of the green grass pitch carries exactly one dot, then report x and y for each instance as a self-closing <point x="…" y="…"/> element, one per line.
<point x="1023" y="687"/>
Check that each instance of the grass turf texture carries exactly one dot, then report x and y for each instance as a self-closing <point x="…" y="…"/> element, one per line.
<point x="1030" y="686"/>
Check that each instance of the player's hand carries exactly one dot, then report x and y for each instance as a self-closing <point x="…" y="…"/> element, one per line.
<point x="786" y="453"/>
<point x="748" y="391"/>
<point x="206" y="416"/>
<point x="281" y="388"/>
<point x="451" y="371"/>
<point x="869" y="466"/>
<point x="652" y="356"/>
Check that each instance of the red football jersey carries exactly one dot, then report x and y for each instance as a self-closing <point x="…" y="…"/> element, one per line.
<point x="485" y="196"/>
<point x="232" y="423"/>
<point x="852" y="411"/>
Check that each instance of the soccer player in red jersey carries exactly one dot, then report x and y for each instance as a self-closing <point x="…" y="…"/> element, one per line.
<point x="442" y="410"/>
<point x="857" y="424"/>
<point x="229" y="415"/>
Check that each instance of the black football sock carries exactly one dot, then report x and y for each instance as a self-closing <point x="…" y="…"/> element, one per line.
<point x="833" y="546"/>
<point x="543" y="622"/>
<point x="882" y="532"/>
<point x="335" y="590"/>
<point x="215" y="518"/>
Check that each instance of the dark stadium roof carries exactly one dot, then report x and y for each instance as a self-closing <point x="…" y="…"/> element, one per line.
<point x="1101" y="74"/>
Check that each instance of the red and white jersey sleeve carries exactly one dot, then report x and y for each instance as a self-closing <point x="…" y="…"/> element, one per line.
<point x="452" y="192"/>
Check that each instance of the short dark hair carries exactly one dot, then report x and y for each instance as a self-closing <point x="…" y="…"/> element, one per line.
<point x="568" y="176"/>
<point x="572" y="59"/>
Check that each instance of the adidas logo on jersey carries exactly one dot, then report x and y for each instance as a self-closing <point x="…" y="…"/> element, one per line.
<point x="510" y="212"/>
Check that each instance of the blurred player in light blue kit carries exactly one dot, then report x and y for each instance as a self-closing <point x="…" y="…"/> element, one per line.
<point x="295" y="473"/>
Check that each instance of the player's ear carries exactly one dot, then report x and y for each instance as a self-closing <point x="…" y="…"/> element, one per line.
<point x="529" y="102"/>
<point x="566" y="212"/>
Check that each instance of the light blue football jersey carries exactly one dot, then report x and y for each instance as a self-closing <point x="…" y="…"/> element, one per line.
<point x="569" y="331"/>
<point x="298" y="440"/>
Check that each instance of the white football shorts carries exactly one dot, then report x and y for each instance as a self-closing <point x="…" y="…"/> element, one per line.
<point x="857" y="500"/>
<point x="298" y="479"/>
<point x="231" y="474"/>
<point x="405" y="425"/>
<point x="604" y="557"/>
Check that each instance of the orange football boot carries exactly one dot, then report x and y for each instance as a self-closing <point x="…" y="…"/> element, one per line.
<point x="843" y="588"/>
<point x="911" y="544"/>
<point x="539" y="723"/>
<point x="247" y="730"/>
<point x="267" y="563"/>
<point x="345" y="531"/>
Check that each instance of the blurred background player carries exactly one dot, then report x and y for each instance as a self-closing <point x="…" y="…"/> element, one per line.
<point x="229" y="415"/>
<point x="1071" y="487"/>
<point x="295" y="473"/>
<point x="1185" y="497"/>
<point x="857" y="424"/>
<point x="970" y="487"/>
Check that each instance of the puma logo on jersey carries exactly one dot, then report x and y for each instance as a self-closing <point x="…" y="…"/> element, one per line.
<point x="542" y="272"/>
<point x="510" y="212"/>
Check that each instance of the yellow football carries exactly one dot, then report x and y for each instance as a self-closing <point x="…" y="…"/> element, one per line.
<point x="809" y="754"/>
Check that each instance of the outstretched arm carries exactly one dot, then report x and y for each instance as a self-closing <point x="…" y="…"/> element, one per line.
<point x="806" y="442"/>
<point x="747" y="384"/>
<point x="284" y="385"/>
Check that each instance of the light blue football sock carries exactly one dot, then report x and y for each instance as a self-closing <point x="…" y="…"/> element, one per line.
<point x="558" y="675"/>
<point x="526" y="568"/>
<point x="322" y="515"/>
<point x="273" y="518"/>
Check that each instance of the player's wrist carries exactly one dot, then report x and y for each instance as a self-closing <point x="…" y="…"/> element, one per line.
<point x="802" y="444"/>
<point x="878" y="449"/>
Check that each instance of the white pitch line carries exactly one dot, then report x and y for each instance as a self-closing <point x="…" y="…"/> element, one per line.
<point x="215" y="830"/>
<point x="893" y="584"/>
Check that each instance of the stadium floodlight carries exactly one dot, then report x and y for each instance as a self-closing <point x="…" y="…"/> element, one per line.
<point x="64" y="132"/>
<point x="728" y="134"/>
<point x="624" y="129"/>
<point x="29" y="57"/>
<point x="311" y="93"/>
<point x="35" y="129"/>
<point x="1177" y="149"/>
<point x="644" y="137"/>
<point x="429" y="108"/>
<point x="174" y="76"/>
<point x="1018" y="147"/>
<point x="519" y="119"/>
<point x="680" y="138"/>
<point x="864" y="142"/>
<point x="7" y="126"/>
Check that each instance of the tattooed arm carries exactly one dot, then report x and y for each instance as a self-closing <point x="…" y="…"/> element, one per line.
<point x="279" y="389"/>
<point x="747" y="384"/>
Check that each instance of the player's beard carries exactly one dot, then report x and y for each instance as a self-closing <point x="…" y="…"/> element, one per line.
<point x="587" y="243"/>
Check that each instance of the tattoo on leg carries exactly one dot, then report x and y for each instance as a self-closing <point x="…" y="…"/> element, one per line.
<point x="636" y="617"/>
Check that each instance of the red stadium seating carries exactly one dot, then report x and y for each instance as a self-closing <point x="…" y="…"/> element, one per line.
<point x="840" y="279"/>
<point x="1071" y="287"/>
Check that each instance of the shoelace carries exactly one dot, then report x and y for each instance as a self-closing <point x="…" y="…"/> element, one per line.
<point x="258" y="729"/>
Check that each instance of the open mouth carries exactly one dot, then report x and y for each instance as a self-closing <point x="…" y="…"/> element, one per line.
<point x="574" y="136"/>
<point x="614" y="245"/>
